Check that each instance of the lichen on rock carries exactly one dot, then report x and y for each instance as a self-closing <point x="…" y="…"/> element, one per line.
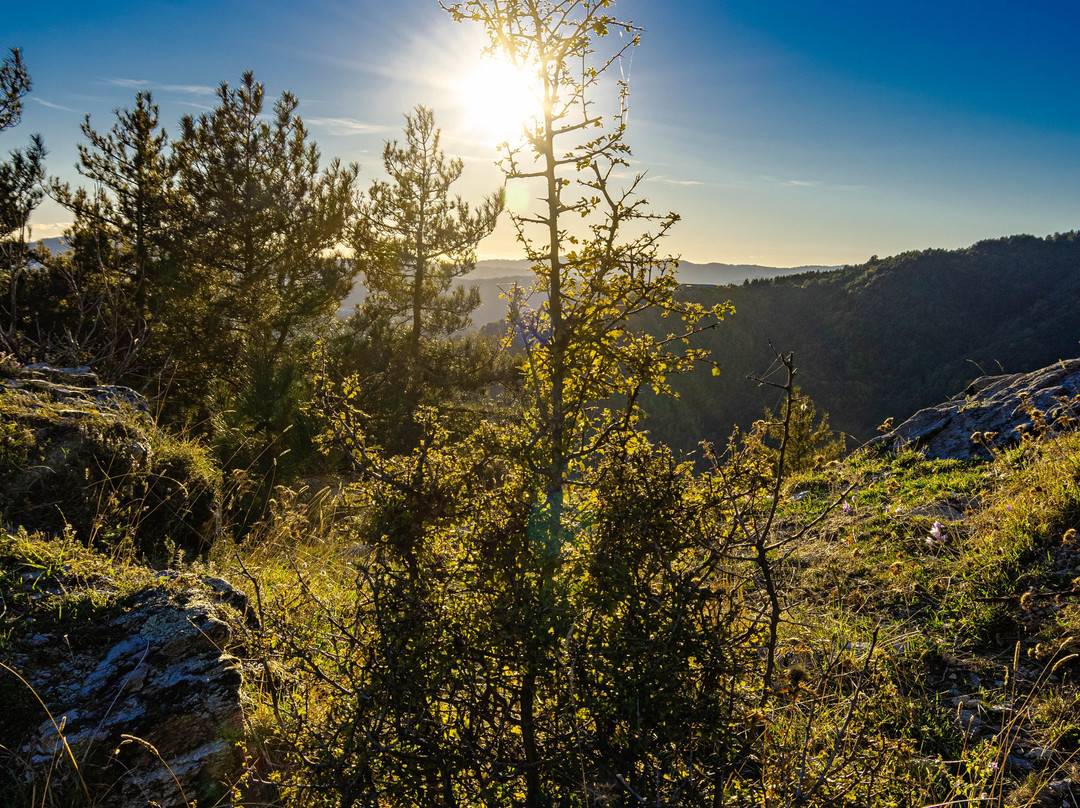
<point x="994" y="412"/>
<point x="143" y="688"/>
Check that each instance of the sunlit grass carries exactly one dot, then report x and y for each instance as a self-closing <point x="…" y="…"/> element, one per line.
<point x="889" y="641"/>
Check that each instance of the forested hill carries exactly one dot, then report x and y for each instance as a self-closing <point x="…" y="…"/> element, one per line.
<point x="886" y="338"/>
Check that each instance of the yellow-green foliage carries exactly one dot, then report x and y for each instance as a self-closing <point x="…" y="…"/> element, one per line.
<point x="975" y="611"/>
<point x="407" y="631"/>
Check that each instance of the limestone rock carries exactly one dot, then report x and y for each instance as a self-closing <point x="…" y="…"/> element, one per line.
<point x="147" y="698"/>
<point x="68" y="384"/>
<point x="1004" y="406"/>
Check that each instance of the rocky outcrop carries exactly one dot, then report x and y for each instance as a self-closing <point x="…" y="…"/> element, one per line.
<point x="121" y="686"/>
<point x="144" y="696"/>
<point x="79" y="455"/>
<point x="78" y="384"/>
<point x="994" y="412"/>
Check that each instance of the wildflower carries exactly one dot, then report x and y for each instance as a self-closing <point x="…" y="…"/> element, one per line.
<point x="847" y="507"/>
<point x="937" y="533"/>
<point x="1008" y="509"/>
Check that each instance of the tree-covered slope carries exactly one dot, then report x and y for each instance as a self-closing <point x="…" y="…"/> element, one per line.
<point x="885" y="338"/>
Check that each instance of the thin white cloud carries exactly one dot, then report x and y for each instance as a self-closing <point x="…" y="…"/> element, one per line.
<point x="823" y="186"/>
<point x="143" y="84"/>
<point x="347" y="126"/>
<point x="673" y="181"/>
<point x="49" y="104"/>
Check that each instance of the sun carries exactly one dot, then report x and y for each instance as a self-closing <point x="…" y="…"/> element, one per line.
<point x="499" y="99"/>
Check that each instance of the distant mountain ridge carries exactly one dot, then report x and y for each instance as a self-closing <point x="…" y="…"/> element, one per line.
<point x="495" y="276"/>
<point x="56" y="245"/>
<point x="711" y="274"/>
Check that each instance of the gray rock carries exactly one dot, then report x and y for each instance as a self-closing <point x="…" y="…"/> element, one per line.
<point x="71" y="385"/>
<point x="80" y="376"/>
<point x="968" y="722"/>
<point x="151" y="711"/>
<point x="1018" y="762"/>
<point x="1000" y="405"/>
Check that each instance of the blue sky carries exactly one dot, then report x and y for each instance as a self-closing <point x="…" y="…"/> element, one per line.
<point x="784" y="133"/>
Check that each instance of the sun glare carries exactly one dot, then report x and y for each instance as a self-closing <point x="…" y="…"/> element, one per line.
<point x="499" y="99"/>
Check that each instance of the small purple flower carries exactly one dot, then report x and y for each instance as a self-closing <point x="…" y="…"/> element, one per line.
<point x="847" y="507"/>
<point x="1008" y="509"/>
<point x="937" y="533"/>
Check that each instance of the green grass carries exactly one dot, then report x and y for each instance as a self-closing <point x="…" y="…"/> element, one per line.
<point x="984" y="623"/>
<point x="952" y="615"/>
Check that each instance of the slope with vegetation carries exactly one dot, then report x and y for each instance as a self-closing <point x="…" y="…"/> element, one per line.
<point x="886" y="338"/>
<point x="504" y="594"/>
<point x="88" y="459"/>
<point x="885" y="629"/>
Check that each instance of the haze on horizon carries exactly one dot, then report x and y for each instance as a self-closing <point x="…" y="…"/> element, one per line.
<point x="784" y="133"/>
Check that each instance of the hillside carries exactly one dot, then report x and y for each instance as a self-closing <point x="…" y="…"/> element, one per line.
<point x="886" y="338"/>
<point x="924" y="650"/>
<point x="872" y="341"/>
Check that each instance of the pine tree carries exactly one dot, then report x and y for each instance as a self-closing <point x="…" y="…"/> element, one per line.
<point x="21" y="191"/>
<point x="412" y="239"/>
<point x="809" y="444"/>
<point x="131" y="168"/>
<point x="256" y="245"/>
<point x="120" y="239"/>
<point x="14" y="84"/>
